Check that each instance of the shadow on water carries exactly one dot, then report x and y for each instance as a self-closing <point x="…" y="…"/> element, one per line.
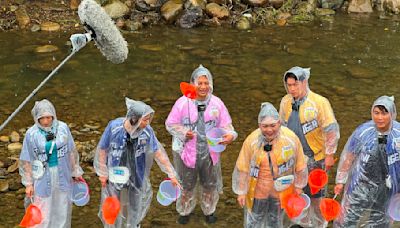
<point x="354" y="59"/>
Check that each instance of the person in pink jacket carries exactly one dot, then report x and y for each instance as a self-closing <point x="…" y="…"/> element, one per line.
<point x="188" y="122"/>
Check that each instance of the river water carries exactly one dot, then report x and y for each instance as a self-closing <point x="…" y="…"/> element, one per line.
<point x="353" y="59"/>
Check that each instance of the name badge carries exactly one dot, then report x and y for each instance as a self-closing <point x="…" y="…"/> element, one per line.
<point x="118" y="174"/>
<point x="309" y="126"/>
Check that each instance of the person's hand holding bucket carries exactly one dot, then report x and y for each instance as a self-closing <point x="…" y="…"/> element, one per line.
<point x="215" y="139"/>
<point x="80" y="192"/>
<point x="168" y="192"/>
<point x="33" y="216"/>
<point x="110" y="208"/>
<point x="294" y="205"/>
<point x="317" y="179"/>
<point x="330" y="209"/>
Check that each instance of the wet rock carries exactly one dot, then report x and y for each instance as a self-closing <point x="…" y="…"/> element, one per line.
<point x="73" y="4"/>
<point x="4" y="138"/>
<point x="284" y="16"/>
<point x="392" y="6"/>
<point x="151" y="47"/>
<point x="359" y="72"/>
<point x="46" y="49"/>
<point x="14" y="137"/>
<point x="4" y="185"/>
<point x="14" y="167"/>
<point x="50" y="26"/>
<point x="43" y="65"/>
<point x="120" y="23"/>
<point x="116" y="9"/>
<point x="281" y="22"/>
<point x="35" y="28"/>
<point x="2" y="164"/>
<point x="216" y="11"/>
<point x="22" y="17"/>
<point x="14" y="146"/>
<point x="331" y="4"/>
<point x="190" y="17"/>
<point x="324" y="12"/>
<point x="360" y="6"/>
<point x="171" y="9"/>
<point x="92" y="126"/>
<point x="133" y="25"/>
<point x="243" y="23"/>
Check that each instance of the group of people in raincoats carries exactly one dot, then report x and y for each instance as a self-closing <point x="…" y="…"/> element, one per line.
<point x="275" y="158"/>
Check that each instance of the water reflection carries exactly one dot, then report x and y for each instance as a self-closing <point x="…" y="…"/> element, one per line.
<point x="353" y="61"/>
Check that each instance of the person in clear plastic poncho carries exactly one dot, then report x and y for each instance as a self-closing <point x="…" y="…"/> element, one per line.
<point x="123" y="161"/>
<point x="188" y="122"/>
<point x="370" y="167"/>
<point x="269" y="154"/>
<point x="311" y="117"/>
<point x="48" y="163"/>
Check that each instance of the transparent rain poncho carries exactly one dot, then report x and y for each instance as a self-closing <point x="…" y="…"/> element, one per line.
<point x="311" y="118"/>
<point x="370" y="166"/>
<point x="193" y="158"/>
<point x="52" y="184"/>
<point x="123" y="146"/>
<point x="257" y="172"/>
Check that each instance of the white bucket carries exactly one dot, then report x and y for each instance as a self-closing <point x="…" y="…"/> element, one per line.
<point x="214" y="137"/>
<point x="167" y="193"/>
<point x="394" y="207"/>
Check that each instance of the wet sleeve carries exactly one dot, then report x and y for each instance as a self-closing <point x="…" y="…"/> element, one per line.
<point x="105" y="138"/>
<point x="241" y="173"/>
<point x="347" y="158"/>
<point x="25" y="167"/>
<point x="301" y="171"/>
<point x="76" y="170"/>
<point x="174" y="125"/>
<point x="100" y="158"/>
<point x="163" y="162"/>
<point x="330" y="127"/>
<point x="226" y="122"/>
<point x="282" y="112"/>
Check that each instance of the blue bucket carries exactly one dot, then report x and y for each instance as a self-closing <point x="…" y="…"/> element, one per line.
<point x="80" y="193"/>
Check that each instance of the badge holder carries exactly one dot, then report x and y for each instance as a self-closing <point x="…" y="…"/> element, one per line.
<point x="119" y="174"/>
<point x="37" y="169"/>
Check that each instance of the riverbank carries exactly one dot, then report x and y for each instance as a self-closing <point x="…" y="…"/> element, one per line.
<point x="133" y="15"/>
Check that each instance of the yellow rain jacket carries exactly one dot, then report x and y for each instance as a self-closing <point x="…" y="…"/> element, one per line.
<point x="315" y="114"/>
<point x="287" y="158"/>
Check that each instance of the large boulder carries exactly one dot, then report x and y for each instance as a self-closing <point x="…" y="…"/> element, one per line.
<point x="360" y="6"/>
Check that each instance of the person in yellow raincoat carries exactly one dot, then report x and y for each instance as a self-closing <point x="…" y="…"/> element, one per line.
<point x="270" y="155"/>
<point x="311" y="117"/>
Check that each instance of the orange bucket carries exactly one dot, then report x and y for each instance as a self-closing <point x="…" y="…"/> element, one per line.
<point x="317" y="180"/>
<point x="283" y="195"/>
<point x="294" y="205"/>
<point x="110" y="209"/>
<point x="330" y="209"/>
<point x="33" y="216"/>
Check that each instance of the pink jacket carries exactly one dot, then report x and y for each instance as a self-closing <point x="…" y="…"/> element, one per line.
<point x="215" y="115"/>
